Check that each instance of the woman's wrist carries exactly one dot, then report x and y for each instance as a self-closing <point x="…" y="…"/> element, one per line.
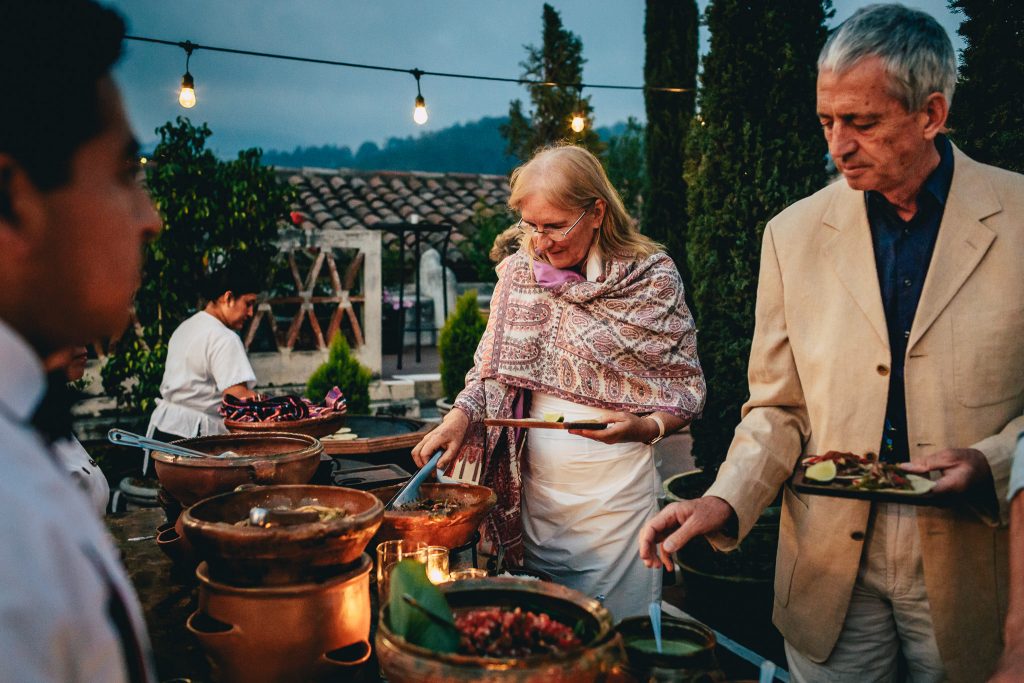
<point x="656" y="429"/>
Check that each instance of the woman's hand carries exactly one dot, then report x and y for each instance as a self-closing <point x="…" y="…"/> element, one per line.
<point x="622" y="428"/>
<point x="447" y="436"/>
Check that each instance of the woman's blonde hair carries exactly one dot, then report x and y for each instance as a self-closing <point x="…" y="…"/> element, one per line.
<point x="570" y="177"/>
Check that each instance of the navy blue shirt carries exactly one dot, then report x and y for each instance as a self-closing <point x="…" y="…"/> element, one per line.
<point x="903" y="250"/>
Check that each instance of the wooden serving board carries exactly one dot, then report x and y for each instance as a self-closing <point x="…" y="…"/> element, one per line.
<point x="544" y="424"/>
<point x="881" y="496"/>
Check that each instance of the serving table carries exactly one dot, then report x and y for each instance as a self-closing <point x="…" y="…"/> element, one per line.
<point x="169" y="595"/>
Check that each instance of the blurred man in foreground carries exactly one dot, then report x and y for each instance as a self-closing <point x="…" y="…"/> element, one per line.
<point x="73" y="223"/>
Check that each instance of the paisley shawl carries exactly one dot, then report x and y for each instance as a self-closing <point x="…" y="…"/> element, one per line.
<point x="625" y="342"/>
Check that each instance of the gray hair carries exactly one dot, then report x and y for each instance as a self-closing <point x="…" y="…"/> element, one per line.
<point x="916" y="51"/>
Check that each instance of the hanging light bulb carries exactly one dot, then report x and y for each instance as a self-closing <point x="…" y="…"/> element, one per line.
<point x="419" y="112"/>
<point x="187" y="94"/>
<point x="579" y="120"/>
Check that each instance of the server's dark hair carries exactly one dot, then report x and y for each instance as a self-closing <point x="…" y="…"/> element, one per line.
<point x="53" y="54"/>
<point x="236" y="278"/>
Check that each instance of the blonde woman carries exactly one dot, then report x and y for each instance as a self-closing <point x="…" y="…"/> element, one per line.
<point x="587" y="320"/>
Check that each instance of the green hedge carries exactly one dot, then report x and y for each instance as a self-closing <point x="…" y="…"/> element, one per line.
<point x="458" y="341"/>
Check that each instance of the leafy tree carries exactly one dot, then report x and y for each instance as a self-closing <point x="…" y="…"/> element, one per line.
<point x="670" y="28"/>
<point x="458" y="341"/>
<point x="758" y="148"/>
<point x="987" y="117"/>
<point x="214" y="212"/>
<point x="624" y="163"/>
<point x="342" y="370"/>
<point x="558" y="60"/>
<point x="488" y="223"/>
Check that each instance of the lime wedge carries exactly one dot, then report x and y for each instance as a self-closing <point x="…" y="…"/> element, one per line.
<point x="824" y="471"/>
<point x="554" y="417"/>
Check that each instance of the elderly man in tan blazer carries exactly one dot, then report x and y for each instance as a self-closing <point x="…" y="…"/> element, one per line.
<point x="889" y="319"/>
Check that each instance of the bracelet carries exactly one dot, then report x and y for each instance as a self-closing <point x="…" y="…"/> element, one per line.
<point x="661" y="429"/>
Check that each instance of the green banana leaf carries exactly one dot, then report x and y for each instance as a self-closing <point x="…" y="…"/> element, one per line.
<point x="409" y="578"/>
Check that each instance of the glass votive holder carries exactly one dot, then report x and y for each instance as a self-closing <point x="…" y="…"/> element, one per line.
<point x="390" y="553"/>
<point x="437" y="563"/>
<point x="468" y="573"/>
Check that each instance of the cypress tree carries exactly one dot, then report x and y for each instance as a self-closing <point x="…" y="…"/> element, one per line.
<point x="558" y="60"/>
<point x="757" y="147"/>
<point x="670" y="29"/>
<point x="987" y="118"/>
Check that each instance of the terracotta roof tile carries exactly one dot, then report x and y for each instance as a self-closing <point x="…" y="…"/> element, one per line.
<point x="349" y="199"/>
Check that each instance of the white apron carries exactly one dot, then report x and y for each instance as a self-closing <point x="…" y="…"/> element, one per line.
<point x="583" y="505"/>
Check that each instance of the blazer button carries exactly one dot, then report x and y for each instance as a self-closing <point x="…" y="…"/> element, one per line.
<point x="857" y="535"/>
<point x="882" y="370"/>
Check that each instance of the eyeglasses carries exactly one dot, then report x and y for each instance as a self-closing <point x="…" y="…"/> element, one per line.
<point x="552" y="234"/>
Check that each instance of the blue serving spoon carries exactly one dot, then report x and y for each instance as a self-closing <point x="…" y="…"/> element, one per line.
<point x="411" y="491"/>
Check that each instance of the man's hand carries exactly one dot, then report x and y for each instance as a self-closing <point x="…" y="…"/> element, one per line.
<point x="448" y="436"/>
<point x="678" y="524"/>
<point x="964" y="470"/>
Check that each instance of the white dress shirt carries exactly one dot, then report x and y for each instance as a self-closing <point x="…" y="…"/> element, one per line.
<point x="204" y="358"/>
<point x="59" y="570"/>
<point x="84" y="471"/>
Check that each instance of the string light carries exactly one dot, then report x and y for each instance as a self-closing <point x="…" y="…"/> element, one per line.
<point x="187" y="94"/>
<point x="579" y="121"/>
<point x="419" y="112"/>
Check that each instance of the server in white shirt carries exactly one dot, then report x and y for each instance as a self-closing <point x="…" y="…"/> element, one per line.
<point x="73" y="222"/>
<point x="206" y="359"/>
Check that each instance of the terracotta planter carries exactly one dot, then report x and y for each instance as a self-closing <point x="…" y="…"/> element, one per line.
<point x="600" y="656"/>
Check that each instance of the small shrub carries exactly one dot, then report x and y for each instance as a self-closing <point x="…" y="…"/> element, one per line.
<point x="458" y="341"/>
<point x="341" y="369"/>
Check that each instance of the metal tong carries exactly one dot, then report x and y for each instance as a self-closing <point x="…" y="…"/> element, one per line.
<point x="124" y="438"/>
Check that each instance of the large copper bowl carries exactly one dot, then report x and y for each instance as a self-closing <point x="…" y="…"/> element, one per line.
<point x="310" y="426"/>
<point x="272" y="458"/>
<point x="452" y="530"/>
<point x="600" y="655"/>
<point x="257" y="556"/>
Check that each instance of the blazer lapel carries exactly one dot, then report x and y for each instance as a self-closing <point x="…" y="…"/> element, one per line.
<point x="853" y="257"/>
<point x="962" y="242"/>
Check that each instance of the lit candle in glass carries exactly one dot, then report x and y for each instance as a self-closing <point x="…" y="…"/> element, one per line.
<point x="437" y="564"/>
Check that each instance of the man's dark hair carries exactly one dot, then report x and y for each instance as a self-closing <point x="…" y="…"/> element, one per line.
<point x="236" y="277"/>
<point x="54" y="53"/>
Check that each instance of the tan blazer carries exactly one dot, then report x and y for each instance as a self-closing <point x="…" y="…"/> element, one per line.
<point x="818" y="377"/>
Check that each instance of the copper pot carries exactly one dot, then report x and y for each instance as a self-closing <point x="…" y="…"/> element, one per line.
<point x="302" y="632"/>
<point x="310" y="426"/>
<point x="453" y="530"/>
<point x="600" y="656"/>
<point x="246" y="555"/>
<point x="272" y="458"/>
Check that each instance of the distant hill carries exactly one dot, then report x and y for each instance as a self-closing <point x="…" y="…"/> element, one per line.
<point x="475" y="147"/>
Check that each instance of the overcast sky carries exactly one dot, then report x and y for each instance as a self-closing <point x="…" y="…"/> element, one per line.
<point x="255" y="102"/>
